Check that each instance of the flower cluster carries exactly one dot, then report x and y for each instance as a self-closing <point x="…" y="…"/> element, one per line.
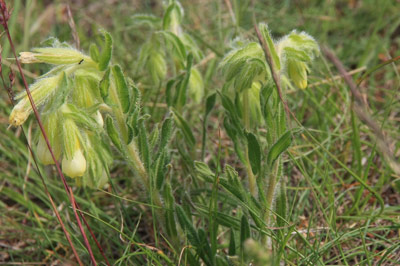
<point x="245" y="67"/>
<point x="68" y="98"/>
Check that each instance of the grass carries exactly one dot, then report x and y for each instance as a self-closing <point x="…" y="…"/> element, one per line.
<point x="330" y="220"/>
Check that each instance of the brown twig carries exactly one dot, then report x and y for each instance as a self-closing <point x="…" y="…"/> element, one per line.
<point x="361" y="110"/>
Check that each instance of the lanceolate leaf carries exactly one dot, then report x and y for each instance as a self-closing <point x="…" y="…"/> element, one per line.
<point x="279" y="147"/>
<point x="169" y="213"/>
<point x="244" y="229"/>
<point x="122" y="87"/>
<point x="232" y="245"/>
<point x="166" y="132"/>
<point x="187" y="225"/>
<point x="183" y="86"/>
<point x="144" y="145"/>
<point x="105" y="85"/>
<point x="183" y="125"/>
<point x="105" y="56"/>
<point x="113" y="133"/>
<point x="281" y="207"/>
<point x="210" y="102"/>
<point x="94" y="52"/>
<point x="176" y="43"/>
<point x="160" y="170"/>
<point x="254" y="152"/>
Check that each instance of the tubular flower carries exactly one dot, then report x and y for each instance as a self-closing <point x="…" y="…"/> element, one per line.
<point x="75" y="166"/>
<point x="73" y="163"/>
<point x="43" y="152"/>
<point x="297" y="72"/>
<point x="40" y="91"/>
<point x="53" y="55"/>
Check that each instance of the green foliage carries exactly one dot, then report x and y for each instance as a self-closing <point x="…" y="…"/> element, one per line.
<point x="197" y="161"/>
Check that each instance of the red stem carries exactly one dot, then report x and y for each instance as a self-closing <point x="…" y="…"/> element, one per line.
<point x="36" y="113"/>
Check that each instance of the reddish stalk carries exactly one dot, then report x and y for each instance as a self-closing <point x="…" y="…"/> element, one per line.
<point x="81" y="227"/>
<point x="10" y="93"/>
<point x="3" y="21"/>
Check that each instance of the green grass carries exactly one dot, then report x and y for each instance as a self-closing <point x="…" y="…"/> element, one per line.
<point x="330" y="219"/>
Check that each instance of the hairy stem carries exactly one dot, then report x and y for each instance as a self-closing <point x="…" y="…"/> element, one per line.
<point x="246" y="118"/>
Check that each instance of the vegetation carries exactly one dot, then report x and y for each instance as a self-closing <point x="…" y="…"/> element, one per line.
<point x="200" y="133"/>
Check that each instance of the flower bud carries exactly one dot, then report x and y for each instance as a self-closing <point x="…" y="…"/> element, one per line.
<point x="196" y="85"/>
<point x="157" y="66"/>
<point x="28" y="58"/>
<point x="297" y="71"/>
<point x="75" y="166"/>
<point x="99" y="118"/>
<point x="40" y="91"/>
<point x="55" y="56"/>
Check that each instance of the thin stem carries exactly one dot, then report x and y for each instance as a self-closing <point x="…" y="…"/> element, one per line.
<point x="5" y="16"/>
<point x="131" y="147"/>
<point x="271" y="190"/>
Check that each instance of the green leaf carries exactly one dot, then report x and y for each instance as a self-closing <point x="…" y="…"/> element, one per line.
<point x="113" y="133"/>
<point x="144" y="145"/>
<point x="187" y="225"/>
<point x="183" y="125"/>
<point x="233" y="114"/>
<point x="20" y="199"/>
<point x="204" y="171"/>
<point x="281" y="206"/>
<point x="169" y="98"/>
<point x="279" y="147"/>
<point x="210" y="102"/>
<point x="254" y="152"/>
<point x="94" y="52"/>
<point x="176" y="43"/>
<point x="166" y="133"/>
<point x="173" y="12"/>
<point x="244" y="229"/>
<point x="82" y="118"/>
<point x="122" y="88"/>
<point x="182" y="90"/>
<point x="169" y="213"/>
<point x="232" y="245"/>
<point x="151" y="20"/>
<point x="205" y="249"/>
<point x="104" y="85"/>
<point x="160" y="170"/>
<point x="105" y="56"/>
<point x="131" y="133"/>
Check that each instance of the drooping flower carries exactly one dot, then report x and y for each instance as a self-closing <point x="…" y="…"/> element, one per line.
<point x="75" y="166"/>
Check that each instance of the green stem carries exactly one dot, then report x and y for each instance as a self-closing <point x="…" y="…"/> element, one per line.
<point x="131" y="147"/>
<point x="246" y="118"/>
<point x="271" y="190"/>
